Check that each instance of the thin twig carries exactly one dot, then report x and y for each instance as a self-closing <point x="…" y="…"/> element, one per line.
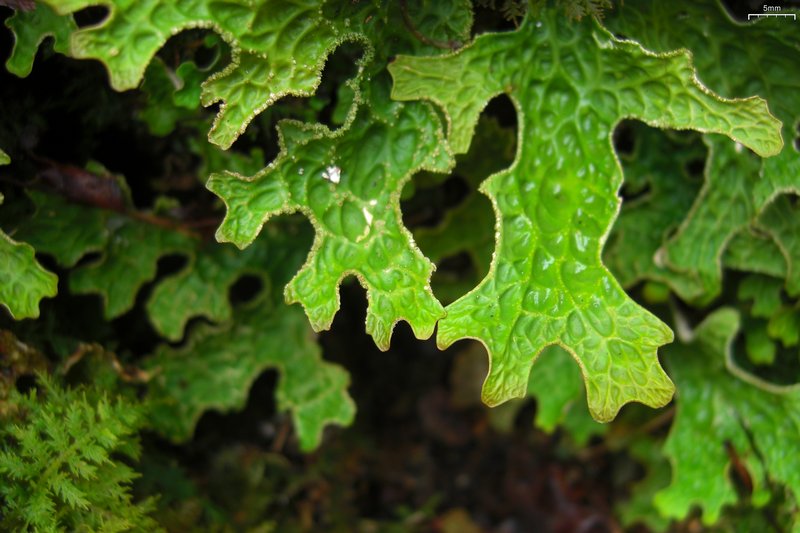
<point x="663" y="418"/>
<point x="186" y="227"/>
<point x="163" y="222"/>
<point x="280" y="438"/>
<point x="452" y="45"/>
<point x="130" y="374"/>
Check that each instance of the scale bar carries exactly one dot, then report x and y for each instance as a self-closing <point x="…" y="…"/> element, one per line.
<point x="759" y="15"/>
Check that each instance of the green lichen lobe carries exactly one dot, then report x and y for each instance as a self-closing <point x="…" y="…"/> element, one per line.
<point x="571" y="84"/>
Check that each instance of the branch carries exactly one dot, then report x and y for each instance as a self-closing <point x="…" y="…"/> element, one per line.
<point x="452" y="45"/>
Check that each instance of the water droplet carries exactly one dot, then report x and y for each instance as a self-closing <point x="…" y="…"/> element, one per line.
<point x="581" y="241"/>
<point x="332" y="174"/>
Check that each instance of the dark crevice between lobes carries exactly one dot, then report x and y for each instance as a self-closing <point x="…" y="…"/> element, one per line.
<point x="452" y="208"/>
<point x="91" y="16"/>
<point x="502" y="109"/>
<point x="489" y="17"/>
<point x="329" y="105"/>
<point x="171" y="264"/>
<point x="263" y="421"/>
<point x="784" y="370"/>
<point x="623" y="139"/>
<point x="202" y="46"/>
<point x="245" y="289"/>
<point x="631" y="195"/>
<point x="695" y="168"/>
